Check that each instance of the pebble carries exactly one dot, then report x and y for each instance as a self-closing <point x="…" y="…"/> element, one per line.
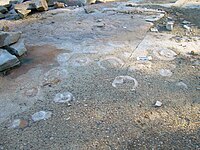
<point x="19" y="123"/>
<point x="154" y="29"/>
<point x="158" y="104"/>
<point x="170" y="25"/>
<point x="182" y="85"/>
<point x="64" y="97"/>
<point x="31" y="92"/>
<point x="165" y="54"/>
<point x="41" y="115"/>
<point x="165" y="72"/>
<point x="186" y="27"/>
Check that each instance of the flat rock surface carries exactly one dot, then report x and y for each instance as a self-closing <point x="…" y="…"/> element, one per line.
<point x="70" y="51"/>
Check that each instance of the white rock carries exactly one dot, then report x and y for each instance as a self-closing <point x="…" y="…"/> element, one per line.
<point x="170" y="25"/>
<point x="186" y="27"/>
<point x="15" y="123"/>
<point x="165" y="72"/>
<point x="158" y="104"/>
<point x="41" y="115"/>
<point x="165" y="54"/>
<point x="64" y="97"/>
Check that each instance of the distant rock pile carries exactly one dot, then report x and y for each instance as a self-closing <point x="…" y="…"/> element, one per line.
<point x="16" y="9"/>
<point x="11" y="47"/>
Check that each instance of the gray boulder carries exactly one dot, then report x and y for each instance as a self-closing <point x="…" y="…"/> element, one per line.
<point x="7" y="60"/>
<point x="7" y="38"/>
<point x="17" y="49"/>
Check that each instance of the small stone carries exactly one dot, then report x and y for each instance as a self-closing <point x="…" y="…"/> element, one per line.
<point x="182" y="85"/>
<point x="186" y="27"/>
<point x="158" y="104"/>
<point x="8" y="38"/>
<point x="41" y="115"/>
<point x="23" y="9"/>
<point x="19" y="123"/>
<point x="165" y="72"/>
<point x="170" y="25"/>
<point x="65" y="97"/>
<point x="59" y="5"/>
<point x="154" y="29"/>
<point x="3" y="9"/>
<point x="17" y="49"/>
<point x="31" y="92"/>
<point x="7" y="60"/>
<point x="2" y="16"/>
<point x="186" y="22"/>
<point x="40" y="5"/>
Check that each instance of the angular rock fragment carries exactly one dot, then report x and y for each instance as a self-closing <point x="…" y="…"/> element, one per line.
<point x="59" y="5"/>
<point x="17" y="49"/>
<point x="4" y="2"/>
<point x="3" y="9"/>
<point x="23" y="9"/>
<point x="7" y="38"/>
<point x="40" y="5"/>
<point x="7" y="60"/>
<point x="2" y="16"/>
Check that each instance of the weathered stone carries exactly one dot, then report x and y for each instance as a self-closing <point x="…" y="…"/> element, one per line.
<point x="23" y="9"/>
<point x="2" y="16"/>
<point x="4" y="2"/>
<point x="17" y="49"/>
<point x="12" y="15"/>
<point x="3" y="9"/>
<point x="40" y="5"/>
<point x="59" y="5"/>
<point x="7" y="38"/>
<point x="7" y="60"/>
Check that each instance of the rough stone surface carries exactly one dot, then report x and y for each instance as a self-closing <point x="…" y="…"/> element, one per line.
<point x="3" y="9"/>
<point x="7" y="60"/>
<point x="7" y="38"/>
<point x="23" y="9"/>
<point x="4" y="2"/>
<point x="40" y="5"/>
<point x="2" y="16"/>
<point x="17" y="49"/>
